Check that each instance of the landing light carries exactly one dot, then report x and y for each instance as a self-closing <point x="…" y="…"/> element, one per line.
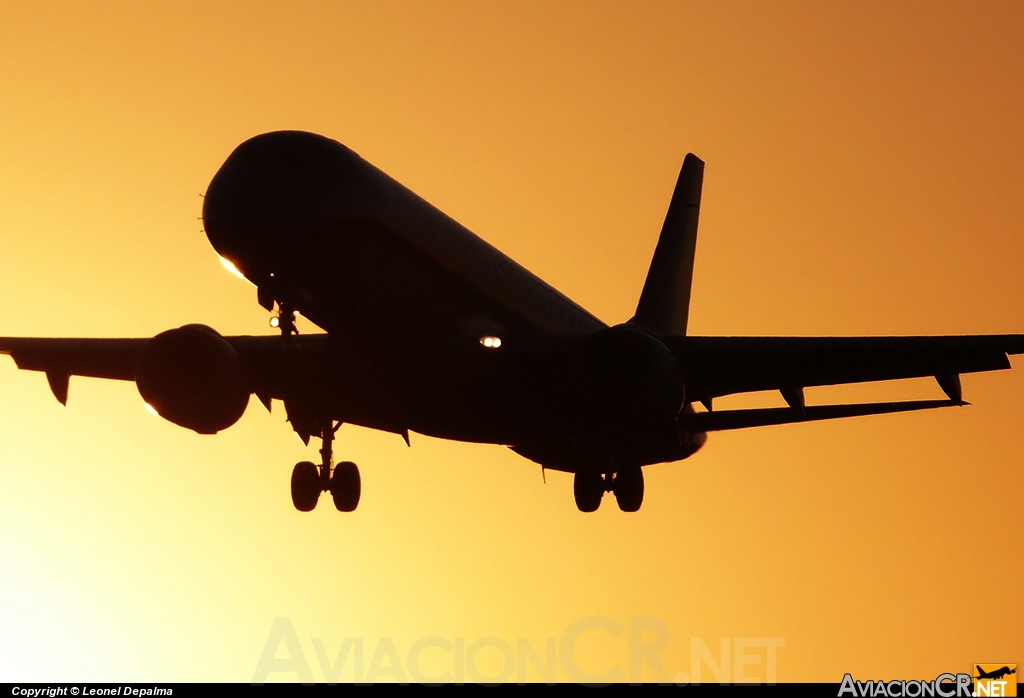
<point x="151" y="410"/>
<point x="491" y="342"/>
<point x="275" y="320"/>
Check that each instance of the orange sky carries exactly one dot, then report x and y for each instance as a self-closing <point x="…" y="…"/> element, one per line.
<point x="865" y="170"/>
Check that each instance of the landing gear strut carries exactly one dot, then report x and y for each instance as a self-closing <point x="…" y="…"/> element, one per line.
<point x="309" y="480"/>
<point x="284" y="320"/>
<point x="588" y="488"/>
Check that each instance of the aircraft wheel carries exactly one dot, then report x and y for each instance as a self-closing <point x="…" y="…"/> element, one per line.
<point x="588" y="489"/>
<point x="629" y="489"/>
<point x="305" y="486"/>
<point x="346" y="486"/>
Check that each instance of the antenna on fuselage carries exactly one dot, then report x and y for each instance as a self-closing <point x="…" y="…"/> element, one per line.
<point x="664" y="305"/>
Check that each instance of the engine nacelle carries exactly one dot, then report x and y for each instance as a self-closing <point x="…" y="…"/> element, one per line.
<point x="193" y="377"/>
<point x="628" y="378"/>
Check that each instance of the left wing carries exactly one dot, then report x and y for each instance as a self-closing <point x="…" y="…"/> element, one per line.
<point x="714" y="366"/>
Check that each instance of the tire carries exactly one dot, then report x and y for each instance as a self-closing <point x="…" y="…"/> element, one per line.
<point x="305" y="486"/>
<point x="629" y="489"/>
<point x="346" y="486"/>
<point x="588" y="489"/>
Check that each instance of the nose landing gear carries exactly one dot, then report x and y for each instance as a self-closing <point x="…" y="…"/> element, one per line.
<point x="284" y="320"/>
<point x="309" y="480"/>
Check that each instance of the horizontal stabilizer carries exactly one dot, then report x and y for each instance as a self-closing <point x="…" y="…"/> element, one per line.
<point x="742" y="419"/>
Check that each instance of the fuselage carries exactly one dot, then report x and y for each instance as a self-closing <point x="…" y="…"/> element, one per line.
<point x="407" y="296"/>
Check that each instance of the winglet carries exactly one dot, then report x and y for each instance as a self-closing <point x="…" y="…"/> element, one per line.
<point x="664" y="305"/>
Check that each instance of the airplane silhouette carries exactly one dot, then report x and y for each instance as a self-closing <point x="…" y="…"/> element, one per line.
<point x="996" y="673"/>
<point x="430" y="329"/>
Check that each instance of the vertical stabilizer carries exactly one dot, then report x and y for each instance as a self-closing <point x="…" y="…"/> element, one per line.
<point x="665" y="301"/>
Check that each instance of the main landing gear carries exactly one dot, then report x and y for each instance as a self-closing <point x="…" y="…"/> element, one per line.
<point x="588" y="488"/>
<point x="309" y="480"/>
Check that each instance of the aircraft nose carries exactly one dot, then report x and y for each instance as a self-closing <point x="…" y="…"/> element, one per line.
<point x="274" y="190"/>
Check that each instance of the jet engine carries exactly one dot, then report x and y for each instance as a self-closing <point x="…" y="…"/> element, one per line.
<point x="193" y="377"/>
<point x="628" y="380"/>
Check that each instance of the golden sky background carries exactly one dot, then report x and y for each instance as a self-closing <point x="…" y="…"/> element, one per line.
<point x="865" y="175"/>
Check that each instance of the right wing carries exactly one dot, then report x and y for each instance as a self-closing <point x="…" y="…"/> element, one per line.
<point x="115" y="358"/>
<point x="62" y="358"/>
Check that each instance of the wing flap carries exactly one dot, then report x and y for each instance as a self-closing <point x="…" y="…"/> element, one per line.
<point x="742" y="419"/>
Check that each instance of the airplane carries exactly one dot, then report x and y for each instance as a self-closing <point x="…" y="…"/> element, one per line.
<point x="428" y="328"/>
<point x="995" y="674"/>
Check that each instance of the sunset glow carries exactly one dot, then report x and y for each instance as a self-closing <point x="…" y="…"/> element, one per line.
<point x="864" y="176"/>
